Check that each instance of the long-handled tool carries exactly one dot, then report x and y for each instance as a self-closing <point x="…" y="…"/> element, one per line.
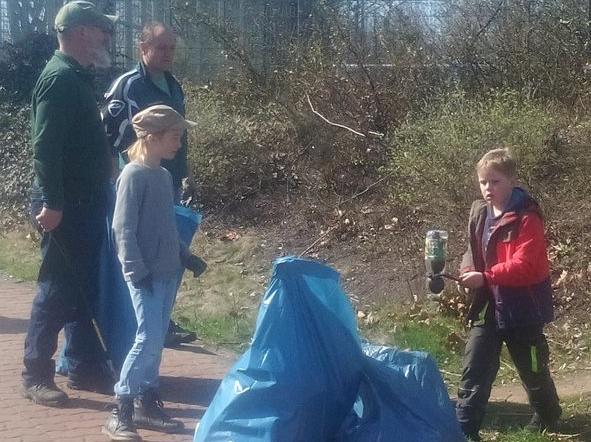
<point x="93" y="321"/>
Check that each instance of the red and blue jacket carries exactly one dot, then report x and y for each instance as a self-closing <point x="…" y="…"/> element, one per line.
<point x="515" y="265"/>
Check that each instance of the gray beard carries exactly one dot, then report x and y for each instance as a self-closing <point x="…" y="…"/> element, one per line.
<point x="101" y="58"/>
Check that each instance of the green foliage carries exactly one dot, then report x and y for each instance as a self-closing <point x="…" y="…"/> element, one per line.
<point x="434" y="154"/>
<point x="418" y="329"/>
<point x="237" y="151"/>
<point x="537" y="47"/>
<point x="22" y="62"/>
<point x="15" y="163"/>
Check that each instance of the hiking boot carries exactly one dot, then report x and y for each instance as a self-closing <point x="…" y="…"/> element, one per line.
<point x="45" y="393"/>
<point x="148" y="414"/>
<point x="538" y="425"/>
<point x="177" y="335"/>
<point x="102" y="385"/>
<point x="119" y="425"/>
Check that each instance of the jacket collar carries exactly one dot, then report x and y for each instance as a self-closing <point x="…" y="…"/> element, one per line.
<point x="74" y="64"/>
<point x="519" y="203"/>
<point x="141" y="68"/>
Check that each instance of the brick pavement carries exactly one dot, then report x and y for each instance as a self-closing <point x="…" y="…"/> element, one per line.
<point x="190" y="378"/>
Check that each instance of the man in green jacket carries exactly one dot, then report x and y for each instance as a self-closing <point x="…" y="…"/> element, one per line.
<point x="72" y="166"/>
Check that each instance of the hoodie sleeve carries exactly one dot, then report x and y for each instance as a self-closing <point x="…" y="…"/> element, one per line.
<point x="125" y="225"/>
<point x="467" y="264"/>
<point x="526" y="262"/>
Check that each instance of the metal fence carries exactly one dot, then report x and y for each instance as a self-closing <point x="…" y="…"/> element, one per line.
<point x="264" y="28"/>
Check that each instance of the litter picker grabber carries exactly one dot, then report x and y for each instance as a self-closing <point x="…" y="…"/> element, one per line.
<point x="86" y="306"/>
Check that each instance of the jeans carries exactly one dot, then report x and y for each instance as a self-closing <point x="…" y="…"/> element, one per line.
<point x="67" y="288"/>
<point x="152" y="307"/>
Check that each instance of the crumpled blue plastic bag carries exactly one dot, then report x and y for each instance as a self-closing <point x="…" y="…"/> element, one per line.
<point x="114" y="311"/>
<point x="288" y="386"/>
<point x="305" y="376"/>
<point x="402" y="393"/>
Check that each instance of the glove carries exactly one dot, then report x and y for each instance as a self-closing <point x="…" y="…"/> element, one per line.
<point x="196" y="265"/>
<point x="144" y="284"/>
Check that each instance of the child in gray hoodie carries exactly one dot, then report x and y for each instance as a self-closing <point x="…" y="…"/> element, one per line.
<point x="152" y="258"/>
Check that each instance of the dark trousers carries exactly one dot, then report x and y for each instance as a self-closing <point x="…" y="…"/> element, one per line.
<point x="67" y="289"/>
<point x="528" y="349"/>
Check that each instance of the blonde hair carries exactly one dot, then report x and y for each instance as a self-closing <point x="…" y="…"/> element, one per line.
<point x="500" y="160"/>
<point x="138" y="150"/>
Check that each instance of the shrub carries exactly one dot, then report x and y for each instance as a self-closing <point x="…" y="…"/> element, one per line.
<point x="236" y="152"/>
<point x="15" y="164"/>
<point x="22" y="62"/>
<point x="434" y="155"/>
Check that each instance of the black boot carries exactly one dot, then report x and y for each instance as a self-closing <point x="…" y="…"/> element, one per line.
<point x="119" y="426"/>
<point x="539" y="425"/>
<point x="148" y="414"/>
<point x="45" y="393"/>
<point x="97" y="378"/>
<point x="176" y="335"/>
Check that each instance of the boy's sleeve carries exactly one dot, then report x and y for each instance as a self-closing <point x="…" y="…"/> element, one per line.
<point x="467" y="264"/>
<point x="523" y="267"/>
<point x="125" y="224"/>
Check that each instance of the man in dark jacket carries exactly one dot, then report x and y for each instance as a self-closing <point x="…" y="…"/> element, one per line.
<point x="72" y="168"/>
<point x="149" y="83"/>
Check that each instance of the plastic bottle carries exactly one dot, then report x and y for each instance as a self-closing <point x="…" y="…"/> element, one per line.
<point x="435" y="251"/>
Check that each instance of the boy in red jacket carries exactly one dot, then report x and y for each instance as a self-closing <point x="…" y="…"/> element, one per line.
<point x="506" y="267"/>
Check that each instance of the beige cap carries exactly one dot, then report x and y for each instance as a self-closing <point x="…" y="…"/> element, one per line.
<point x="159" y="118"/>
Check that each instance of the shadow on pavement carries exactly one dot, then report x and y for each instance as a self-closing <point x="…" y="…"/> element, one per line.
<point x="90" y="404"/>
<point x="192" y="348"/>
<point x="13" y="326"/>
<point x="191" y="391"/>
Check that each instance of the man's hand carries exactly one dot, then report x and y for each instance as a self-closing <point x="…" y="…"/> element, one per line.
<point x="49" y="219"/>
<point x="472" y="280"/>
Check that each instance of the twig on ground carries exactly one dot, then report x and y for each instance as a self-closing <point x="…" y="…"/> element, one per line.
<point x="342" y="126"/>
<point x="450" y="373"/>
<point x="317" y="241"/>
<point x="357" y="195"/>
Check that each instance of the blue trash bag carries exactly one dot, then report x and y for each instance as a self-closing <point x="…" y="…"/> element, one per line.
<point x="306" y="376"/>
<point x="114" y="311"/>
<point x="300" y="376"/>
<point x="402" y="393"/>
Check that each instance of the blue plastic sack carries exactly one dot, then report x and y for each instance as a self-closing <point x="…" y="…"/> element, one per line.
<point x="114" y="311"/>
<point x="291" y="384"/>
<point x="402" y="393"/>
<point x="305" y="376"/>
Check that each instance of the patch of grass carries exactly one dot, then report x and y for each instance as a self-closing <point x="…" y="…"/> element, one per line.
<point x="418" y="329"/>
<point x="19" y="255"/>
<point x="224" y="330"/>
<point x="221" y="305"/>
<point x="504" y="422"/>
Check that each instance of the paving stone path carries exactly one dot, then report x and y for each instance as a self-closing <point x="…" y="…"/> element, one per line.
<point x="190" y="377"/>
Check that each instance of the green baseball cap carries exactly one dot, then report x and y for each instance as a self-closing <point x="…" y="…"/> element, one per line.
<point x="83" y="13"/>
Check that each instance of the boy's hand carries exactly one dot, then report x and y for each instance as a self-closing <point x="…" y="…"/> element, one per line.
<point x="144" y="283"/>
<point x="472" y="280"/>
<point x="196" y="265"/>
